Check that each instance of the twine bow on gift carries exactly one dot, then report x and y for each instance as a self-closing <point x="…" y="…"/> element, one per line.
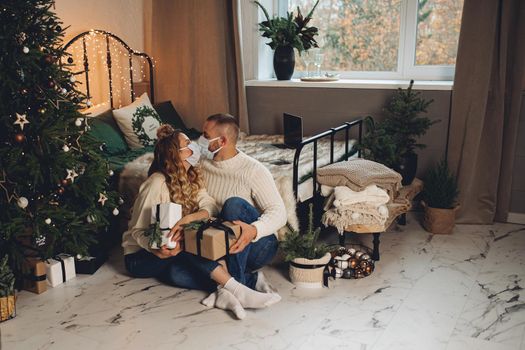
<point x="61" y="258"/>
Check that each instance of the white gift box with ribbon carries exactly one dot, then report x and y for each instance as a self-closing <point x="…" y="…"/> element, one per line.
<point x="167" y="214"/>
<point x="60" y="269"/>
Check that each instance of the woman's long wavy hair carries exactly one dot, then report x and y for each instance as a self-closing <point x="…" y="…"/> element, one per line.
<point x="183" y="185"/>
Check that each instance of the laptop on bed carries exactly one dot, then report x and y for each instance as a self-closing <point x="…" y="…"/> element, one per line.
<point x="292" y="130"/>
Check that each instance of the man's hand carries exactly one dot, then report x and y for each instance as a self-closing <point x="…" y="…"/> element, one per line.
<point x="165" y="253"/>
<point x="248" y="234"/>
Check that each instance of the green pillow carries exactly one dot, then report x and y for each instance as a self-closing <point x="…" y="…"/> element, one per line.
<point x="104" y="129"/>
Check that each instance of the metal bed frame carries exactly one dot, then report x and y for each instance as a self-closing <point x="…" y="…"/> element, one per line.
<point x="107" y="35"/>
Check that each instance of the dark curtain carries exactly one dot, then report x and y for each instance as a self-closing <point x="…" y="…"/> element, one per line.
<point x="488" y="85"/>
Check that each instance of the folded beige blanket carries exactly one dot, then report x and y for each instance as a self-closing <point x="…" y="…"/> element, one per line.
<point x="356" y="214"/>
<point x="371" y="195"/>
<point x="359" y="173"/>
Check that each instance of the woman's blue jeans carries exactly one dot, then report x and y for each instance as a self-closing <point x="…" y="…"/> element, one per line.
<point x="186" y="270"/>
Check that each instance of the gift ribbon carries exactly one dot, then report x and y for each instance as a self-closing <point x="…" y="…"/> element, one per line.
<point x="157" y="217"/>
<point x="63" y="264"/>
<point x="326" y="271"/>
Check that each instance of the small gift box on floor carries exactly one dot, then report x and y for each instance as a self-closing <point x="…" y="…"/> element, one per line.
<point x="163" y="217"/>
<point x="60" y="269"/>
<point x="210" y="239"/>
<point x="34" y="275"/>
<point x="90" y="264"/>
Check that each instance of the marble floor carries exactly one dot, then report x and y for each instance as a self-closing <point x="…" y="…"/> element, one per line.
<point x="460" y="291"/>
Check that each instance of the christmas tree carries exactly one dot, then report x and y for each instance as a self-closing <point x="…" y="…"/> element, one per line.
<point x="54" y="185"/>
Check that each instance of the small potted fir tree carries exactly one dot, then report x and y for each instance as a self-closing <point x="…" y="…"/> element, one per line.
<point x="394" y="140"/>
<point x="440" y="194"/>
<point x="7" y="291"/>
<point x="286" y="34"/>
<point x="307" y="257"/>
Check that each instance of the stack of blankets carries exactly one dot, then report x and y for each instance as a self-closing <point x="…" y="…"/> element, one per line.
<point x="361" y="190"/>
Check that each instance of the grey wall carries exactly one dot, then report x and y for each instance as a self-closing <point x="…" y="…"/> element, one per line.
<point x="325" y="108"/>
<point x="517" y="199"/>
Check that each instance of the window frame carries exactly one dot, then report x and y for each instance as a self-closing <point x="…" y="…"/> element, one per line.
<point x="406" y="66"/>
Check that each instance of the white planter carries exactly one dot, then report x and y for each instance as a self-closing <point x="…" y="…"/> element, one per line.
<point x="308" y="277"/>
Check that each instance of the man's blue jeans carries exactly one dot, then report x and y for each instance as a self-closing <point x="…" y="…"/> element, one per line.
<point x="183" y="270"/>
<point x="256" y="254"/>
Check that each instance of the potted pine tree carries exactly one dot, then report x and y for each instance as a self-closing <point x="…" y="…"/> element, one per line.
<point x="394" y="140"/>
<point x="7" y="291"/>
<point x="440" y="194"/>
<point x="307" y="257"/>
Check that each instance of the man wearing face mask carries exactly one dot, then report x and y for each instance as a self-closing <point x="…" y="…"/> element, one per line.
<point x="246" y="194"/>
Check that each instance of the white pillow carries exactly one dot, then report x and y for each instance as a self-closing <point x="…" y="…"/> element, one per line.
<point x="138" y="122"/>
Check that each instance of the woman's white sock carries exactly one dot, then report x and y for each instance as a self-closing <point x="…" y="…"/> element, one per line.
<point x="250" y="298"/>
<point x="227" y="301"/>
<point x="262" y="284"/>
<point x="209" y="301"/>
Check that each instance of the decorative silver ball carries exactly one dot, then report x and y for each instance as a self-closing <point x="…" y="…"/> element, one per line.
<point x="48" y="221"/>
<point x="22" y="202"/>
<point x="63" y="91"/>
<point x="89" y="103"/>
<point x="78" y="122"/>
<point x="115" y="212"/>
<point x="111" y="173"/>
<point x="65" y="148"/>
<point x="120" y="201"/>
<point x="25" y="49"/>
<point x="72" y="79"/>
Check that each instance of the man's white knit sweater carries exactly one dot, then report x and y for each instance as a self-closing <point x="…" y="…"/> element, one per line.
<point x="244" y="177"/>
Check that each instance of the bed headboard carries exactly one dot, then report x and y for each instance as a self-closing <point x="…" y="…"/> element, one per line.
<point x="123" y="65"/>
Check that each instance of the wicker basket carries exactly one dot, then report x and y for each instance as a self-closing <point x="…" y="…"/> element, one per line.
<point x="308" y="277"/>
<point x="7" y="307"/>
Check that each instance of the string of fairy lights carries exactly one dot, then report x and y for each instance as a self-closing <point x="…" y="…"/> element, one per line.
<point x="96" y="50"/>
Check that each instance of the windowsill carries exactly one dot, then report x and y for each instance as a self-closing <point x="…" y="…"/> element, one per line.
<point x="355" y="84"/>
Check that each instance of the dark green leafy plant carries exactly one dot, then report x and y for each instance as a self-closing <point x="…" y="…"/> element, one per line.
<point x="289" y="30"/>
<point x="303" y="245"/>
<point x="441" y="187"/>
<point x="396" y="137"/>
<point x="7" y="279"/>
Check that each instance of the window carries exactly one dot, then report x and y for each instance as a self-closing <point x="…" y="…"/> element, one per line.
<point x="385" y="39"/>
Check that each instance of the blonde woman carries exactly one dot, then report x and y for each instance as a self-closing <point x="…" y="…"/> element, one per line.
<point x="175" y="177"/>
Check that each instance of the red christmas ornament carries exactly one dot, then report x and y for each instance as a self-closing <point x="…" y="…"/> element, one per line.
<point x="61" y="190"/>
<point x="20" y="138"/>
<point x="51" y="84"/>
<point x="65" y="182"/>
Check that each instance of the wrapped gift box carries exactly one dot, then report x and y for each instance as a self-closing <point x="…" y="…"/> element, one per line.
<point x="211" y="239"/>
<point x="34" y="275"/>
<point x="60" y="269"/>
<point x="167" y="215"/>
<point x="90" y="264"/>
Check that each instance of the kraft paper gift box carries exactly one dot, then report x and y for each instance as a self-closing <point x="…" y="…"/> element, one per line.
<point x="167" y="215"/>
<point x="60" y="269"/>
<point x="211" y="238"/>
<point x="34" y="275"/>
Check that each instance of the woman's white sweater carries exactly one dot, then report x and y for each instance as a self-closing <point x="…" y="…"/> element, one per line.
<point x="152" y="192"/>
<point x="244" y="177"/>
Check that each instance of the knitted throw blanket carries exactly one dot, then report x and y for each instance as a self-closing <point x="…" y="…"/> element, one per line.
<point x="356" y="214"/>
<point x="372" y="195"/>
<point x="359" y="173"/>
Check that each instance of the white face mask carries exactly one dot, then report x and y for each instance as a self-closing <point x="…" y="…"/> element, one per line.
<point x="195" y="155"/>
<point x="205" y="144"/>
